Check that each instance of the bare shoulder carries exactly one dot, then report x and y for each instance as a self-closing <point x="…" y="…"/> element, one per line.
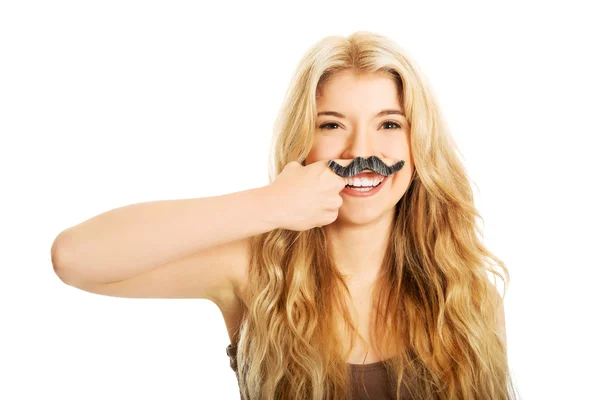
<point x="494" y="292"/>
<point x="498" y="302"/>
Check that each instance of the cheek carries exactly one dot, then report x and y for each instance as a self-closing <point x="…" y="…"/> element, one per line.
<point x="321" y="152"/>
<point x="400" y="179"/>
<point x="312" y="157"/>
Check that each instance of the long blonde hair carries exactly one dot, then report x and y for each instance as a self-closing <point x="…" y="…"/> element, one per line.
<point x="435" y="307"/>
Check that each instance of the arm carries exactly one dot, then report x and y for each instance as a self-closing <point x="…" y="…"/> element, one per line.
<point x="131" y="240"/>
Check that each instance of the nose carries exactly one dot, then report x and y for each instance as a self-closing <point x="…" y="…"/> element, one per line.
<point x="360" y="144"/>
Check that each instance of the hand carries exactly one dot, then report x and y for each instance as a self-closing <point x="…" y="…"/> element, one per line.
<point x="308" y="196"/>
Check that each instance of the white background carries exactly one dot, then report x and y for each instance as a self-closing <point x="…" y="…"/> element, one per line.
<point x="104" y="104"/>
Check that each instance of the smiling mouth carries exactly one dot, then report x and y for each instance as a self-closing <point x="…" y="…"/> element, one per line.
<point x="366" y="188"/>
<point x="363" y="187"/>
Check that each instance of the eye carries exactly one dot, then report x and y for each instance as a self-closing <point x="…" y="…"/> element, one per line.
<point x="328" y="125"/>
<point x="393" y="123"/>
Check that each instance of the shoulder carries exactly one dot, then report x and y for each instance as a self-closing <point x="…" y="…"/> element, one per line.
<point x="499" y="308"/>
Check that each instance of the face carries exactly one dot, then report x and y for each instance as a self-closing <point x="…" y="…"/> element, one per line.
<point x="360" y="132"/>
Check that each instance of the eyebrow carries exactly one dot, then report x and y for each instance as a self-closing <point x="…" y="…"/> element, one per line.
<point x="379" y="114"/>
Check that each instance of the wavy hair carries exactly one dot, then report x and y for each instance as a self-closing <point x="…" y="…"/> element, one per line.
<point x="435" y="307"/>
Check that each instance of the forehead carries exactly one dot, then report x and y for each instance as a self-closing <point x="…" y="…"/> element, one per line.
<point x="350" y="90"/>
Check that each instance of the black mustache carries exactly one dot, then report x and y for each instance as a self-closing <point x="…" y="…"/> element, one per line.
<point x="359" y="164"/>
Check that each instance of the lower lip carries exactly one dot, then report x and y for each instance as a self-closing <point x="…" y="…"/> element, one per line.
<point x="355" y="193"/>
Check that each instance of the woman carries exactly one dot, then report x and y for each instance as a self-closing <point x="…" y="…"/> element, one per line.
<point x="305" y="266"/>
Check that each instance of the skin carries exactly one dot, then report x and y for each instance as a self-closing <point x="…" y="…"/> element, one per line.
<point x="360" y="234"/>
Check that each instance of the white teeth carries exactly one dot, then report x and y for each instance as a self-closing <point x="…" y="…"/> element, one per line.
<point x="364" y="181"/>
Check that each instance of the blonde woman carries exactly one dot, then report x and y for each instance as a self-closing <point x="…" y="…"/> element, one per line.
<point x="357" y="272"/>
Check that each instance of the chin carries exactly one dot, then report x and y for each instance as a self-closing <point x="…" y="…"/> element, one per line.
<point x="359" y="216"/>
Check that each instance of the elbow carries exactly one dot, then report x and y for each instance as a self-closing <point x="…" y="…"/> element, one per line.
<point x="60" y="258"/>
<point x="64" y="267"/>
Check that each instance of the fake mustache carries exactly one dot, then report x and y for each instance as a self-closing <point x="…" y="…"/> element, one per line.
<point x="360" y="164"/>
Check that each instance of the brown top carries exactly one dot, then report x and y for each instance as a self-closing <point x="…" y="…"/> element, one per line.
<point x="376" y="385"/>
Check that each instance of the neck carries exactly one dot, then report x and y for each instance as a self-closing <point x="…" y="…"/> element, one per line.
<point x="358" y="250"/>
